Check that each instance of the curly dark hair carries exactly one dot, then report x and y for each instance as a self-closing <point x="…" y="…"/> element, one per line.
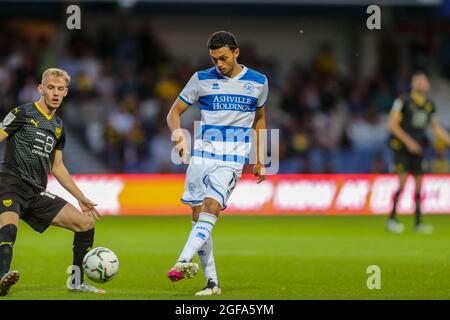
<point x="221" y="39"/>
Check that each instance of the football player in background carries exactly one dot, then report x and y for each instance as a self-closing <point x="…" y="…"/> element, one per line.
<point x="408" y="121"/>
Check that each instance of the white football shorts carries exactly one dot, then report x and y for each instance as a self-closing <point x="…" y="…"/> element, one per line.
<point x="210" y="178"/>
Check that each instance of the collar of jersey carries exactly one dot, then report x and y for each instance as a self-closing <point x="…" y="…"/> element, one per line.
<point x="418" y="99"/>
<point x="42" y="111"/>
<point x="236" y="77"/>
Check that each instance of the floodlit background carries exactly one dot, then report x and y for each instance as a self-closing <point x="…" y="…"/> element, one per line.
<point x="332" y="83"/>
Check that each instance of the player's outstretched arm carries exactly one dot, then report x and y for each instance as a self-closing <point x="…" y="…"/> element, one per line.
<point x="439" y="131"/>
<point x="258" y="125"/>
<point x="61" y="173"/>
<point x="173" y="122"/>
<point x="399" y="133"/>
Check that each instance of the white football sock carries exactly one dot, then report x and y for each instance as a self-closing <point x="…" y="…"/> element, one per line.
<point x="198" y="236"/>
<point x="207" y="259"/>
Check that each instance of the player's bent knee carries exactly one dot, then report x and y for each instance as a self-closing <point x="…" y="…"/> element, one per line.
<point x="87" y="224"/>
<point x="83" y="223"/>
<point x="211" y="205"/>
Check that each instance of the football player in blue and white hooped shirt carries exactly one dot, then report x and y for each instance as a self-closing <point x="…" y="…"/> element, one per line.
<point x="231" y="98"/>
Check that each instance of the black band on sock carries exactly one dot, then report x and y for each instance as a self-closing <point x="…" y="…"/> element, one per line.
<point x="82" y="243"/>
<point x="7" y="239"/>
<point x="394" y="208"/>
<point x="418" y="208"/>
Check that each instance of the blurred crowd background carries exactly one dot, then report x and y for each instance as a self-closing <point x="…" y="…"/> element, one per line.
<point x="332" y="117"/>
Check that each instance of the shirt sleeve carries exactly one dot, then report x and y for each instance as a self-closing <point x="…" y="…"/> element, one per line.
<point x="13" y="121"/>
<point x="189" y="94"/>
<point x="397" y="106"/>
<point x="263" y="96"/>
<point x="433" y="110"/>
<point x="61" y="140"/>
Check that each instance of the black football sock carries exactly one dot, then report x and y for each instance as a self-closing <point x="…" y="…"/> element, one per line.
<point x="394" y="208"/>
<point x="82" y="243"/>
<point x="7" y="238"/>
<point x="418" y="209"/>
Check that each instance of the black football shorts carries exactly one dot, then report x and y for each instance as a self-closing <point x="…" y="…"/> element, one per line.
<point x="406" y="162"/>
<point x="37" y="209"/>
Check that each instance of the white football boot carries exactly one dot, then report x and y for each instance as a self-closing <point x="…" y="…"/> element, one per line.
<point x="211" y="288"/>
<point x="86" y="287"/>
<point x="183" y="270"/>
<point x="7" y="281"/>
<point x="423" y="228"/>
<point x="394" y="227"/>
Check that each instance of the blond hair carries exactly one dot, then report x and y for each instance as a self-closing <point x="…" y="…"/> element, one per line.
<point x="56" y="73"/>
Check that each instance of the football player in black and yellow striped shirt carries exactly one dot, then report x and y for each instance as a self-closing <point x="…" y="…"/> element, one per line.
<point x="408" y="121"/>
<point x="35" y="139"/>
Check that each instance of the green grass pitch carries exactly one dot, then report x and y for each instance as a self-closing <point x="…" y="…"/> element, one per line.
<point x="257" y="257"/>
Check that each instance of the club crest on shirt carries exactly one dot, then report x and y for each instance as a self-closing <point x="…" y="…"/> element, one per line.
<point x="7" y="202"/>
<point x="192" y="187"/>
<point x="58" y="132"/>
<point x="249" y="87"/>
